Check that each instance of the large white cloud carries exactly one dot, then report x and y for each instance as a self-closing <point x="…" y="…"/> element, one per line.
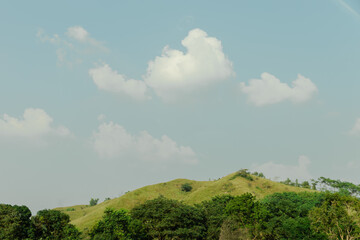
<point x="175" y="73"/>
<point x="356" y="128"/>
<point x="34" y="124"/>
<point x="269" y="90"/>
<point x="114" y="142"/>
<point x="109" y="80"/>
<point x="282" y="172"/>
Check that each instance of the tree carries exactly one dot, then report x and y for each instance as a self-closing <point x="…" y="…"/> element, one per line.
<point x="344" y="188"/>
<point x="288" y="215"/>
<point x="54" y="225"/>
<point x="305" y="184"/>
<point x="117" y="225"/>
<point x="186" y="187"/>
<point x="338" y="217"/>
<point x="170" y="219"/>
<point x="214" y="211"/>
<point x="93" y="201"/>
<point x="244" y="173"/>
<point x="14" y="222"/>
<point x="246" y="216"/>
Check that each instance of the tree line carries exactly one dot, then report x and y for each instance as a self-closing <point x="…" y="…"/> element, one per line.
<point x="331" y="214"/>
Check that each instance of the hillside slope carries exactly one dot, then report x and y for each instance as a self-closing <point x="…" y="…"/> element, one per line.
<point x="84" y="216"/>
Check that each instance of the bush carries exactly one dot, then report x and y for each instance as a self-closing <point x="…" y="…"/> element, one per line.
<point x="244" y="174"/>
<point x="186" y="187"/>
<point x="93" y="201"/>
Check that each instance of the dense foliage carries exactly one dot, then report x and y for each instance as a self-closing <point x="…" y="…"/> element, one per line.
<point x="54" y="225"/>
<point x="16" y="223"/>
<point x="288" y="215"/>
<point x="331" y="214"/>
<point x="214" y="211"/>
<point x="170" y="219"/>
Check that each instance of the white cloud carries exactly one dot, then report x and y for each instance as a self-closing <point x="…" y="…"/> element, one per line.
<point x="356" y="128"/>
<point x="269" y="90"/>
<point x="175" y="73"/>
<point x="80" y="34"/>
<point x="274" y="170"/>
<point x="109" y="80"/>
<point x="114" y="142"/>
<point x="36" y="123"/>
<point x="71" y="50"/>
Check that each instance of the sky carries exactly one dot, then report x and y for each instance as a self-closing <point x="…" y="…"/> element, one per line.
<point x="99" y="98"/>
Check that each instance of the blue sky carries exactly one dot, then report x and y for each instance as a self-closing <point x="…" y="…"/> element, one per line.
<point x="100" y="98"/>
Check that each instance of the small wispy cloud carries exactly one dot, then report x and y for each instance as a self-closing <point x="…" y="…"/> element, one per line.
<point x="349" y="8"/>
<point x="73" y="46"/>
<point x="355" y="131"/>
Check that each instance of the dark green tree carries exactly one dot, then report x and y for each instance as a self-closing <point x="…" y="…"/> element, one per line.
<point x="53" y="225"/>
<point x="170" y="219"/>
<point x="14" y="222"/>
<point x="246" y="217"/>
<point x="186" y="187"/>
<point x="93" y="201"/>
<point x="214" y="211"/>
<point x="288" y="215"/>
<point x="117" y="225"/>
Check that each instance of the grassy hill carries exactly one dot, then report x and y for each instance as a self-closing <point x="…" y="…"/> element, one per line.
<point x="84" y="216"/>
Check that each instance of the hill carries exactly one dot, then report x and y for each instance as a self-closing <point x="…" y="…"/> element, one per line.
<point x="84" y="216"/>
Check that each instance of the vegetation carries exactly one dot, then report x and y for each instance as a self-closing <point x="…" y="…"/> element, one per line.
<point x="244" y="174"/>
<point x="116" y="225"/>
<point x="186" y="187"/>
<point x="338" y="217"/>
<point x="289" y="215"/>
<point x="93" y="201"/>
<point x="243" y="209"/>
<point x="164" y="218"/>
<point x="85" y="217"/>
<point x="16" y="223"/>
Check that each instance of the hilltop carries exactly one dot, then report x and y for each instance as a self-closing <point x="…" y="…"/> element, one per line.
<point x="84" y="216"/>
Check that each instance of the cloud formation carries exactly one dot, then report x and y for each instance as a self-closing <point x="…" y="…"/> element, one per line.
<point x="35" y="123"/>
<point x="71" y="49"/>
<point x="79" y="34"/>
<point x="112" y="141"/>
<point x="356" y="128"/>
<point x="109" y="80"/>
<point x="274" y="170"/>
<point x="175" y="73"/>
<point x="269" y="90"/>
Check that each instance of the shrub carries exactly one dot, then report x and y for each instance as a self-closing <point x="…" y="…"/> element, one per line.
<point x="186" y="187"/>
<point x="93" y="201"/>
<point x="244" y="174"/>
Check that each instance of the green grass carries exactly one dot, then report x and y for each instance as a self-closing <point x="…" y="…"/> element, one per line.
<point x="84" y="216"/>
